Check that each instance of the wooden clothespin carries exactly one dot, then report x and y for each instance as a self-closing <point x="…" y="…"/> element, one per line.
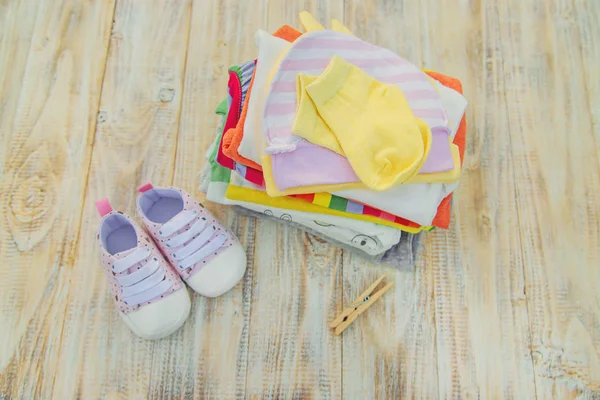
<point x="362" y="302"/>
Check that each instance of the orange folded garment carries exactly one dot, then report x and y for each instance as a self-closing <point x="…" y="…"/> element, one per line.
<point x="233" y="137"/>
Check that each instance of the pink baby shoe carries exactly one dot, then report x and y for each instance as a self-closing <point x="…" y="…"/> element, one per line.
<point x="207" y="256"/>
<point x="149" y="295"/>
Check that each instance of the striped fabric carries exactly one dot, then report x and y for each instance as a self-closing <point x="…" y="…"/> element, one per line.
<point x="310" y="54"/>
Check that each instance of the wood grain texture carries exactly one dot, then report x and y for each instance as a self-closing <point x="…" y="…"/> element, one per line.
<point x="44" y="178"/>
<point x="485" y="278"/>
<point x="17" y="20"/>
<point x="97" y="97"/>
<point x="558" y="200"/>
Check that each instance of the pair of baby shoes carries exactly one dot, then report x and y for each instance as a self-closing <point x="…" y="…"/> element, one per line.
<point x="145" y="267"/>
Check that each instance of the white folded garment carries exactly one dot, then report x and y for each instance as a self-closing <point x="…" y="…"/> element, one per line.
<point x="367" y="236"/>
<point x="270" y="49"/>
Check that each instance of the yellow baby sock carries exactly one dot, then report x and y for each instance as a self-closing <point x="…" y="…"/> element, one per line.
<point x="373" y="123"/>
<point x="308" y="123"/>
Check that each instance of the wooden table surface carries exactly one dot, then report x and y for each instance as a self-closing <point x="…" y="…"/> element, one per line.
<point x="98" y="96"/>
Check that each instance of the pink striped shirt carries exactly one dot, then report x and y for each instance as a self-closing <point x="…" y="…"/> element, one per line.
<point x="310" y="55"/>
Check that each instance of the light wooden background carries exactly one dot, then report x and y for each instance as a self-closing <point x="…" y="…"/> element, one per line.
<point x="98" y="96"/>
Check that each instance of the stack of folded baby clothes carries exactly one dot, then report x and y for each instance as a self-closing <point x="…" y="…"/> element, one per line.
<point x="341" y="138"/>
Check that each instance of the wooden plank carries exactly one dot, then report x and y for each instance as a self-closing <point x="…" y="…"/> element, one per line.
<point x="389" y="352"/>
<point x="296" y="282"/>
<point x="43" y="181"/>
<point x="135" y="142"/>
<point x="220" y="36"/>
<point x="587" y="17"/>
<point x="554" y="140"/>
<point x="17" y="20"/>
<point x="483" y="337"/>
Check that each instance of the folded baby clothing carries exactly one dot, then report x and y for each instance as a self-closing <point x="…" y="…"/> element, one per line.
<point x="399" y="201"/>
<point x="368" y="122"/>
<point x="311" y="54"/>
<point x="340" y="138"/>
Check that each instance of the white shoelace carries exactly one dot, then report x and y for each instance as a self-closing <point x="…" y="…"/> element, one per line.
<point x="192" y="245"/>
<point x="143" y="284"/>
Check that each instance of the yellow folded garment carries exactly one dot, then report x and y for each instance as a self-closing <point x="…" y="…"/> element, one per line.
<point x="440" y="177"/>
<point x="290" y="203"/>
<point x="373" y="123"/>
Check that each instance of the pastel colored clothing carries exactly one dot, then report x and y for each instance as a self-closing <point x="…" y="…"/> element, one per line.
<point x="368" y="122"/>
<point x="310" y="55"/>
<point x="401" y="201"/>
<point x="414" y="202"/>
<point x="391" y="205"/>
<point x="232" y="138"/>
